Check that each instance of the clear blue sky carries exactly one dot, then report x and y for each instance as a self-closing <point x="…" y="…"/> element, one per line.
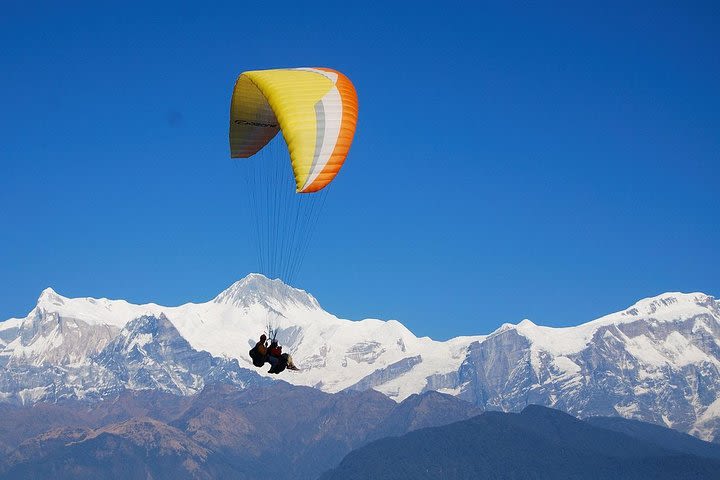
<point x="555" y="163"/>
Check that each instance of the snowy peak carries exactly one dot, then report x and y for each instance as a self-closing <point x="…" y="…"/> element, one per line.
<point x="50" y="299"/>
<point x="257" y="289"/>
<point x="150" y="354"/>
<point x="669" y="307"/>
<point x="672" y="305"/>
<point x="154" y="331"/>
<point x="93" y="311"/>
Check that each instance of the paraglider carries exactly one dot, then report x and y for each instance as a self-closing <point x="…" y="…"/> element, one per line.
<point x="315" y="109"/>
<point x="261" y="353"/>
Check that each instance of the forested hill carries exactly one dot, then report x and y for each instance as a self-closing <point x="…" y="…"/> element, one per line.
<point x="539" y="443"/>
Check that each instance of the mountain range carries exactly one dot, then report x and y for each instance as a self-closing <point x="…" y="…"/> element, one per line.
<point x="274" y="429"/>
<point x="290" y="432"/>
<point x="655" y="361"/>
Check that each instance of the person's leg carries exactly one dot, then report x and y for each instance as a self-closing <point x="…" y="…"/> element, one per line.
<point x="272" y="361"/>
<point x="290" y="363"/>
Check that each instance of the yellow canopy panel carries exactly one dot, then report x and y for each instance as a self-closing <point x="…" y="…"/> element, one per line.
<point x="316" y="109"/>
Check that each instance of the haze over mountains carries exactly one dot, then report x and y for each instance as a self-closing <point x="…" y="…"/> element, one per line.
<point x="656" y="361"/>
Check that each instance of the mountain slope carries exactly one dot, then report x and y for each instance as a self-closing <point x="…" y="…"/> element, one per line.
<point x="137" y="448"/>
<point x="537" y="444"/>
<point x="661" y="436"/>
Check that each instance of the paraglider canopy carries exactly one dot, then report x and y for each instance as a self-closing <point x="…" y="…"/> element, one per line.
<point x="316" y="110"/>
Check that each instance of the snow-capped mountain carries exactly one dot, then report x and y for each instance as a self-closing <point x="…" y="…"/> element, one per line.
<point x="335" y="354"/>
<point x="48" y="356"/>
<point x="656" y="361"/>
